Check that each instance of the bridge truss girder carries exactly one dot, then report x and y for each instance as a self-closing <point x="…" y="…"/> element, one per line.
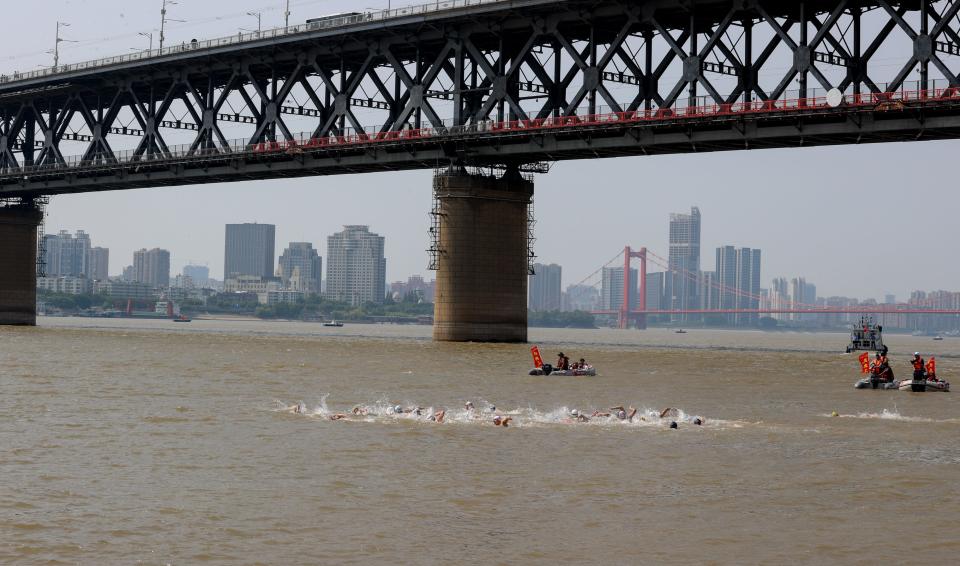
<point x="448" y="72"/>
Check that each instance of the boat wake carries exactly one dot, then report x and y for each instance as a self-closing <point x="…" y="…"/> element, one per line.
<point x="894" y="415"/>
<point x="481" y="412"/>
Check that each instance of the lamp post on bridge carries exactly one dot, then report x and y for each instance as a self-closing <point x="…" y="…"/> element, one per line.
<point x="286" y="16"/>
<point x="259" y="16"/>
<point x="147" y="35"/>
<point x="164" y="19"/>
<point x="57" y="42"/>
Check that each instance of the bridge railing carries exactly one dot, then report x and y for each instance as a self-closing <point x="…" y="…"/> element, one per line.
<point x="603" y="118"/>
<point x="345" y="20"/>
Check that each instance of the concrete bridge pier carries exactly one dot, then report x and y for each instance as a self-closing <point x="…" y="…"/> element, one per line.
<point x="482" y="256"/>
<point x="18" y="263"/>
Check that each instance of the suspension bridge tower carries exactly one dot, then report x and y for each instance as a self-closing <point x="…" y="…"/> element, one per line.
<point x="625" y="313"/>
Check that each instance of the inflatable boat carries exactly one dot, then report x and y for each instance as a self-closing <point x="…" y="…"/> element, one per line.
<point x="921" y="385"/>
<point x="547" y="369"/>
<point x="873" y="383"/>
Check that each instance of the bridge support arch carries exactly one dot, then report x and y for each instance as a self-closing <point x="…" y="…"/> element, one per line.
<point x="18" y="263"/>
<point x="481" y="254"/>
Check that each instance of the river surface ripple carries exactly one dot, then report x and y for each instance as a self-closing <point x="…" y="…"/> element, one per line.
<point x="129" y="441"/>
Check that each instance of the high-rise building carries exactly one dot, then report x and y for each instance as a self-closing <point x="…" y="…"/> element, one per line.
<point x="581" y="298"/>
<point x="708" y="289"/>
<point x="300" y="268"/>
<point x="75" y="254"/>
<point x="684" y="260"/>
<point x="726" y="278"/>
<point x="199" y="274"/>
<point x="99" y="264"/>
<point x="780" y="298"/>
<point x="611" y="290"/>
<point x="51" y="255"/>
<point x="748" y="285"/>
<point x="249" y="250"/>
<point x="66" y="255"/>
<point x="544" y="289"/>
<point x="152" y="267"/>
<point x="802" y="294"/>
<point x="356" y="267"/>
<point x="655" y="285"/>
<point x="738" y="282"/>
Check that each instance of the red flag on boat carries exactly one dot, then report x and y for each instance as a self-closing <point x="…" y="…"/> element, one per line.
<point x="865" y="362"/>
<point x="932" y="367"/>
<point x="537" y="360"/>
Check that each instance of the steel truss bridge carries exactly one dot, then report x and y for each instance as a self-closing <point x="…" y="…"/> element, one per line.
<point x="487" y="82"/>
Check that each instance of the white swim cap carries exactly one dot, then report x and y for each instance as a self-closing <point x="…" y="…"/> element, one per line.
<point x="916" y="353"/>
<point x="398" y="409"/>
<point x="574" y="413"/>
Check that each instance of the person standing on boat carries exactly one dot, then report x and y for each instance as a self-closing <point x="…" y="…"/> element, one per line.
<point x="919" y="367"/>
<point x="563" y="362"/>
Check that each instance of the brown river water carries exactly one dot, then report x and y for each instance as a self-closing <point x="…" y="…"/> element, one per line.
<point x="148" y="442"/>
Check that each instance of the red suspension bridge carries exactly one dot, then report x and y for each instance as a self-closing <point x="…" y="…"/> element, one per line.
<point x="625" y="314"/>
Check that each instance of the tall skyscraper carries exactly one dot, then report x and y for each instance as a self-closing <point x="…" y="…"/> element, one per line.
<point x="75" y="254"/>
<point x="301" y="268"/>
<point x="684" y="260"/>
<point x="655" y="285"/>
<point x="199" y="274"/>
<point x="67" y="256"/>
<point x="99" y="264"/>
<point x="611" y="290"/>
<point x="802" y="294"/>
<point x="726" y="277"/>
<point x="152" y="267"/>
<point x="356" y="268"/>
<point x="748" y="285"/>
<point x="544" y="289"/>
<point x="581" y="298"/>
<point x="738" y="279"/>
<point x="249" y="250"/>
<point x="51" y="255"/>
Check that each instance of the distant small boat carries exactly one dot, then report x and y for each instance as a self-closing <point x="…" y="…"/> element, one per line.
<point x="183" y="318"/>
<point x="938" y="337"/>
<point x="333" y="323"/>
<point x="680" y="331"/>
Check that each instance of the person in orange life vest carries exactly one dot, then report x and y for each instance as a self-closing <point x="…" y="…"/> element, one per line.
<point x="919" y="366"/>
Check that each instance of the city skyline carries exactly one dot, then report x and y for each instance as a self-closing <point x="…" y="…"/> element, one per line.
<point x="804" y="221"/>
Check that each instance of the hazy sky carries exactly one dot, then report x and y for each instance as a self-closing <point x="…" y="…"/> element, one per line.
<point x="857" y="221"/>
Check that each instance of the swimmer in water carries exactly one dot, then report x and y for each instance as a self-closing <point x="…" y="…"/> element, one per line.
<point x="337" y="417"/>
<point x="669" y="411"/>
<point x="297" y="409"/>
<point x="673" y="424"/>
<point x="698" y="421"/>
<point x="502" y="421"/>
<point x="469" y="406"/>
<point x="438" y="416"/>
<point x="625" y="414"/>
<point x="579" y="417"/>
<point x="362" y="411"/>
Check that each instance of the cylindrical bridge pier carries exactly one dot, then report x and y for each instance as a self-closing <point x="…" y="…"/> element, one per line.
<point x="481" y="257"/>
<point x="18" y="264"/>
